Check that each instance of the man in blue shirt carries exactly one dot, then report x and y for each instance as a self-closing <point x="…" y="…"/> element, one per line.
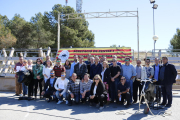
<point x="157" y="68"/>
<point x="88" y="62"/>
<point x="129" y="73"/>
<point x="73" y="64"/>
<point x="95" y="68"/>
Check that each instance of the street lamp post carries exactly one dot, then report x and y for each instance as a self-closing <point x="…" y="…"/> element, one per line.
<point x="155" y="37"/>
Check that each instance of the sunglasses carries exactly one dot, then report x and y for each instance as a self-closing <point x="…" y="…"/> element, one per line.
<point x="126" y="60"/>
<point x="58" y="61"/>
<point x="51" y="73"/>
<point x="38" y="61"/>
<point x="96" y="79"/>
<point x="113" y="61"/>
<point x="122" y="79"/>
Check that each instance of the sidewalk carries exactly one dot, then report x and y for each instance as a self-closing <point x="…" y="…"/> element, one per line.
<point x="13" y="109"/>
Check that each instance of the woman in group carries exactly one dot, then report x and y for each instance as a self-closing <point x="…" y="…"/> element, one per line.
<point x="98" y="92"/>
<point x="67" y="66"/>
<point x="38" y="76"/>
<point x="106" y="76"/>
<point x="47" y="69"/>
<point x="31" y="83"/>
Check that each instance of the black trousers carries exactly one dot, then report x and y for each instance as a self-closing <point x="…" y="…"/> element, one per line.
<point x="30" y="88"/>
<point x="158" y="92"/>
<point x="137" y="85"/>
<point x="99" y="99"/>
<point x="167" y="94"/>
<point x="38" y="82"/>
<point x="125" y="96"/>
<point x="48" y="93"/>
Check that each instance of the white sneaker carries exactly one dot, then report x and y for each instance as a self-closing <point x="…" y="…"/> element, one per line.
<point x="66" y="102"/>
<point x="59" y="102"/>
<point x="101" y="108"/>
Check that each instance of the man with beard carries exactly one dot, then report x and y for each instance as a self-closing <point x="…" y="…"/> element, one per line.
<point x="50" y="85"/>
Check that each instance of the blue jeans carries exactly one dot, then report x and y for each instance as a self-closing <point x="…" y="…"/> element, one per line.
<point x="24" y="89"/>
<point x="76" y="98"/>
<point x="130" y="82"/>
<point x="86" y="96"/>
<point x="114" y="89"/>
<point x="61" y="97"/>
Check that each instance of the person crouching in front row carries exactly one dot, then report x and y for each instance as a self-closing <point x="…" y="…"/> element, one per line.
<point x="123" y="91"/>
<point x="98" y="93"/>
<point x="61" y="86"/>
<point x="50" y="85"/>
<point x="85" y="86"/>
<point x="73" y="90"/>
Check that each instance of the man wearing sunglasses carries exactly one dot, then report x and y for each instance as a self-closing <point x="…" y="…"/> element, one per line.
<point x="123" y="91"/>
<point x="50" y="85"/>
<point x="58" y="68"/>
<point x="129" y="73"/>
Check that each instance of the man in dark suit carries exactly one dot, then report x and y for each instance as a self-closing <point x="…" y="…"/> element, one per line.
<point x="80" y="68"/>
<point x="157" y="68"/>
<point x="50" y="83"/>
<point x="167" y="75"/>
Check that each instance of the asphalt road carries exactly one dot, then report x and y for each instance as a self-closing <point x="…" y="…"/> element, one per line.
<point x="13" y="109"/>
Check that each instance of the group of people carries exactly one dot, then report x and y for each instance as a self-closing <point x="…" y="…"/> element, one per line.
<point x="94" y="80"/>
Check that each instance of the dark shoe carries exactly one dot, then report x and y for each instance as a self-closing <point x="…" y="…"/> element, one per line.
<point x="168" y="105"/>
<point x="90" y="104"/>
<point x="16" y="94"/>
<point x="49" y="100"/>
<point x="162" y="104"/>
<point x="134" y="102"/>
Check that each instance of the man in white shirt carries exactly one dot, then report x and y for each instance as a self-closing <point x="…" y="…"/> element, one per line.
<point x="61" y="86"/>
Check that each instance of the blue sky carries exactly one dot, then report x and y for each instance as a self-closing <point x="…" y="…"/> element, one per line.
<point x="109" y="31"/>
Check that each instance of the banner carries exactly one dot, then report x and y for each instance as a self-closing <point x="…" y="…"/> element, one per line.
<point x="121" y="52"/>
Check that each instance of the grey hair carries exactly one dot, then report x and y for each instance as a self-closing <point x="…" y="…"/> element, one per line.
<point x="30" y="60"/>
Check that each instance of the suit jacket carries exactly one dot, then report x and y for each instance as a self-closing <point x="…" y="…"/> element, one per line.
<point x="100" y="89"/>
<point x="169" y="74"/>
<point x="80" y="71"/>
<point x="95" y="69"/>
<point x="48" y="84"/>
<point x="107" y="76"/>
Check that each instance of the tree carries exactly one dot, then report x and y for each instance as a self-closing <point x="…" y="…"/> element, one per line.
<point x="41" y="37"/>
<point x="6" y="38"/>
<point x="22" y="31"/>
<point x="73" y="32"/>
<point x="175" y="41"/>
